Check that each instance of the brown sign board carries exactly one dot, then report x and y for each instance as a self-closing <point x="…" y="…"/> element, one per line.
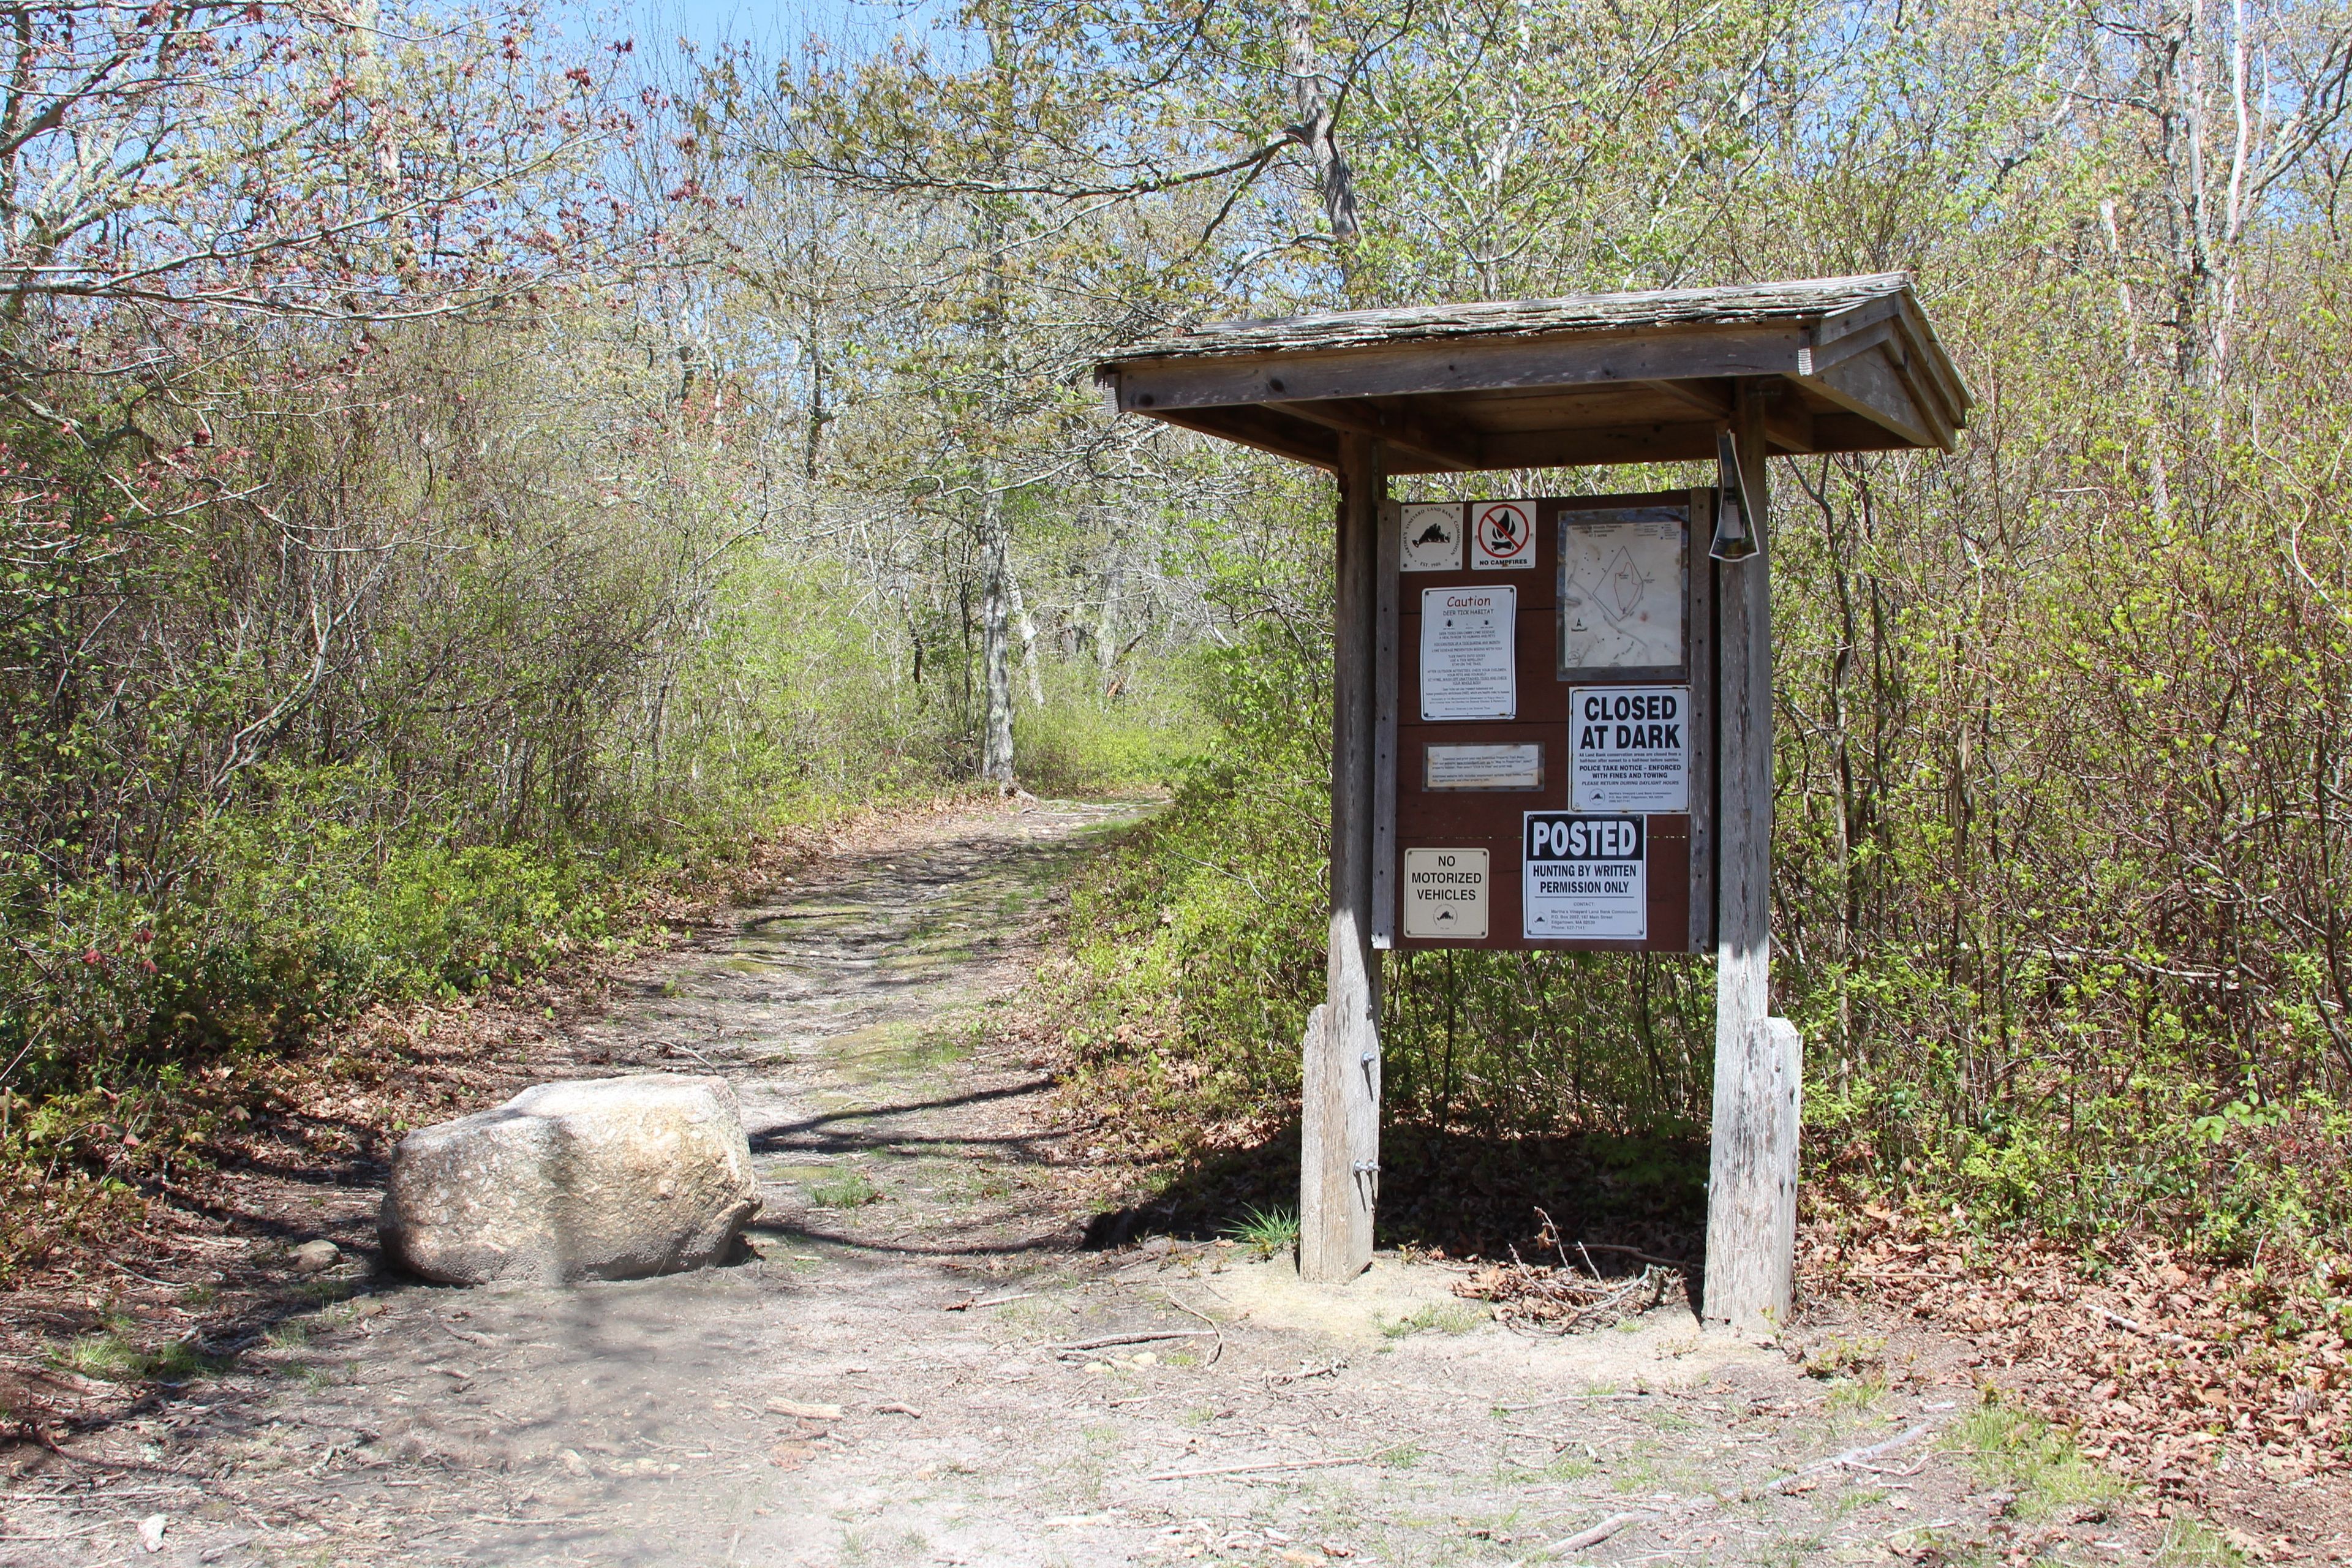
<point x="1546" y="732"/>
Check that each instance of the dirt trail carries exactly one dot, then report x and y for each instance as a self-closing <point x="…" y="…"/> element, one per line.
<point x="919" y="1270"/>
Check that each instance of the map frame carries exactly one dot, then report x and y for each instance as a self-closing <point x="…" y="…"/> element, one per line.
<point x="1571" y="517"/>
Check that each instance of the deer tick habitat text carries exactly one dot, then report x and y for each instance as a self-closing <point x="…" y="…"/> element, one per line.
<point x="1586" y="877"/>
<point x="1629" y="748"/>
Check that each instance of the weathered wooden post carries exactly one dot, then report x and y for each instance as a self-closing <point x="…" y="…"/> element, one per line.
<point x="1751" y="1215"/>
<point x="1340" y="1167"/>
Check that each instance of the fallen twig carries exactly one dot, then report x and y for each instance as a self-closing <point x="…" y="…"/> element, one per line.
<point x="68" y="1535"/>
<point x="803" y="1410"/>
<point x="2136" y="1326"/>
<point x="992" y="1301"/>
<point x="1596" y="1534"/>
<point x="1108" y="1339"/>
<point x="1273" y="1465"/>
<point x="1575" y="1399"/>
<point x="1204" y="1317"/>
<point x="1636" y="1254"/>
<point x="898" y="1410"/>
<point x="1554" y="1439"/>
<point x="1854" y="1457"/>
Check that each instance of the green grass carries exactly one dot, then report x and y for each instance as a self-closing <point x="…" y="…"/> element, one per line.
<point x="1855" y="1394"/>
<point x="848" y="1192"/>
<point x="2189" y="1545"/>
<point x="1443" y="1317"/>
<point x="112" y="1356"/>
<point x="1264" y="1231"/>
<point x="2024" y="1453"/>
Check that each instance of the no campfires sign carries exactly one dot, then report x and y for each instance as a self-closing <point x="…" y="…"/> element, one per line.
<point x="1502" y="536"/>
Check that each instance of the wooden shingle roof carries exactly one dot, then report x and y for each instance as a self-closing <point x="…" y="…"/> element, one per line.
<point x="1848" y="364"/>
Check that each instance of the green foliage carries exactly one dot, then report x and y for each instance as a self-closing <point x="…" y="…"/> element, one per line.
<point x="1202" y="950"/>
<point x="1266" y="1232"/>
<point x="849" y="1191"/>
<point x="2024" y="1455"/>
<point x="113" y="1355"/>
<point x="408" y="729"/>
<point x="2059" y="810"/>
<point x="1095" y="735"/>
<point x="2193" y="1543"/>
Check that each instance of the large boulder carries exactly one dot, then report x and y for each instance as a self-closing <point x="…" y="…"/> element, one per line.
<point x="613" y="1178"/>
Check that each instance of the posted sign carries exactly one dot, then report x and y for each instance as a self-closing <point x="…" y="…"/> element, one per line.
<point x="1629" y="748"/>
<point x="1586" y="875"/>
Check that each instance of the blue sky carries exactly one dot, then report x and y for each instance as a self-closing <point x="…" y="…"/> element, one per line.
<point x="854" y="25"/>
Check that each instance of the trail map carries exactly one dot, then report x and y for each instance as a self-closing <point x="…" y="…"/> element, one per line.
<point x="1621" y="590"/>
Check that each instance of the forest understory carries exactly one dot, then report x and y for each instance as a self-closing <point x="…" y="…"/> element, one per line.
<point x="120" y="1355"/>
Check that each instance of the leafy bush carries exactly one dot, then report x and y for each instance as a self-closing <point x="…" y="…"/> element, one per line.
<point x="1098" y="735"/>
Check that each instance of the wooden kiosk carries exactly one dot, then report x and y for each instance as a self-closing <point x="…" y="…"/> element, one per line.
<point x="1732" y="376"/>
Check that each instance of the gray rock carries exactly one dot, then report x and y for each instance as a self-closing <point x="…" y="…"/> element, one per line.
<point x="316" y="1257"/>
<point x="612" y="1178"/>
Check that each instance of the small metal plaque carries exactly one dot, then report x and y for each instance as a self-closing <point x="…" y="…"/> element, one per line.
<point x="1500" y="766"/>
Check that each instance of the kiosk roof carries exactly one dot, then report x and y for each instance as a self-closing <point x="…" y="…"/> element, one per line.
<point x="1848" y="364"/>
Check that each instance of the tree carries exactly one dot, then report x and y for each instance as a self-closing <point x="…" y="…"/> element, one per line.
<point x="169" y="169"/>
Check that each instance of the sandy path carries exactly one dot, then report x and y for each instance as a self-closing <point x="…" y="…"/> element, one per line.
<point x="911" y="1167"/>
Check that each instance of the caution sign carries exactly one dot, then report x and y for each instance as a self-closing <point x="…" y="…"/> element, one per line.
<point x="1469" y="659"/>
<point x="1502" y="536"/>
<point x="1629" y="748"/>
<point x="1586" y="875"/>
<point x="1432" y="539"/>
<point x="1445" y="894"/>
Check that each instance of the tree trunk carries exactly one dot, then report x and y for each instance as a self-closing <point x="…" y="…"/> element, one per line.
<point x="995" y="639"/>
<point x="1027" y="630"/>
<point x="1315" y="131"/>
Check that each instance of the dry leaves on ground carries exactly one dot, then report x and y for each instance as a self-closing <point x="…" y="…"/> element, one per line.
<point x="2160" y="1364"/>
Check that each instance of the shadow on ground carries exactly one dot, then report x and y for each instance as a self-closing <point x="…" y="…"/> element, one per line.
<point x="1466" y="1194"/>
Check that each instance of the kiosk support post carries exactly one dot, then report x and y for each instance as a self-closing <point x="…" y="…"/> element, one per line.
<point x="1340" y="1091"/>
<point x="1751" y="1227"/>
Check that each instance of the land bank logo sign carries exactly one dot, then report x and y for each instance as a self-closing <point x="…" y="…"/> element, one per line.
<point x="1431" y="540"/>
<point x="1586" y="877"/>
